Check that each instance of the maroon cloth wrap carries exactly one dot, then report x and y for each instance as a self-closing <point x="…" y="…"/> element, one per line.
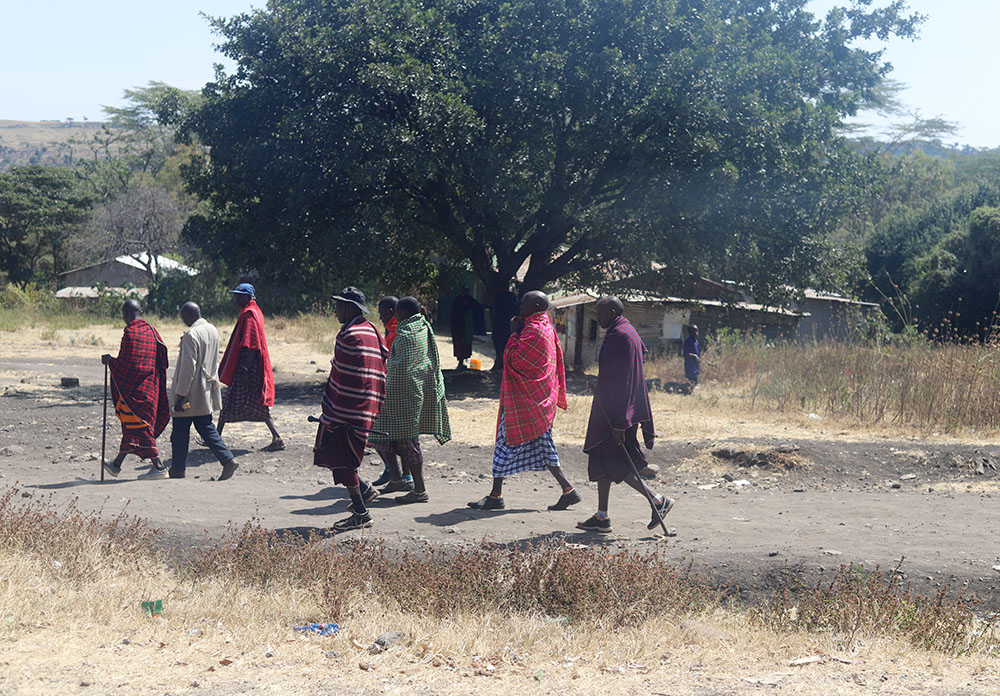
<point x="353" y="397"/>
<point x="620" y="396"/>
<point x="249" y="333"/>
<point x="139" y="378"/>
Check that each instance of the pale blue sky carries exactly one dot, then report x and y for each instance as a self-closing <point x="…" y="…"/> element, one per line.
<point x="66" y="58"/>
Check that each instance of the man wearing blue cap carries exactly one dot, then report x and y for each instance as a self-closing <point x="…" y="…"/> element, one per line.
<point x="246" y="368"/>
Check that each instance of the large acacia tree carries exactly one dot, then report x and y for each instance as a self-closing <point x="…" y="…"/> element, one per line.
<point x="575" y="135"/>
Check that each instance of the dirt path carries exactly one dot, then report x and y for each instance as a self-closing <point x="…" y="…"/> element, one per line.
<point x="823" y="503"/>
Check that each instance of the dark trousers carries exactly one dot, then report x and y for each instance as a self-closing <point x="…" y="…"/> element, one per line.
<point x="180" y="441"/>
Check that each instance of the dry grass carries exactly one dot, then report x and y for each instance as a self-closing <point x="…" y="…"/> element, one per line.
<point x="71" y="588"/>
<point x="741" y="398"/>
<point x="922" y="386"/>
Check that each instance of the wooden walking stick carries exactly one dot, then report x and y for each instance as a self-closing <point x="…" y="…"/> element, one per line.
<point x="104" y="424"/>
<point x="628" y="457"/>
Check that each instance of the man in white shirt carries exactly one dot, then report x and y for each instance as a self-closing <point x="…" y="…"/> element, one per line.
<point x="195" y="393"/>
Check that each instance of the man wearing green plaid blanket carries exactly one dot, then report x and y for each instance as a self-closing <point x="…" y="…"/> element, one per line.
<point x="414" y="401"/>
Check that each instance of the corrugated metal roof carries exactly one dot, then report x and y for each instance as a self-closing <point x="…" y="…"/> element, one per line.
<point x="572" y="300"/>
<point x="162" y="262"/>
<point x="638" y="298"/>
<point x="91" y="293"/>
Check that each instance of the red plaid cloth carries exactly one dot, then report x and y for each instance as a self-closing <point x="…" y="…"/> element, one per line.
<point x="139" y="379"/>
<point x="534" y="381"/>
<point x="620" y="396"/>
<point x="356" y="386"/>
<point x="390" y="333"/>
<point x="249" y="333"/>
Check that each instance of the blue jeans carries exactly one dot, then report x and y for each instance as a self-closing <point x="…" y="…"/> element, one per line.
<point x="180" y="441"/>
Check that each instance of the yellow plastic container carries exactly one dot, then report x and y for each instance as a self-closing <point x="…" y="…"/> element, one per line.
<point x="475" y="364"/>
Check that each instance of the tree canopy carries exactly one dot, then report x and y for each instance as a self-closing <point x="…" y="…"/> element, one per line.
<point x="580" y="138"/>
<point x="40" y="208"/>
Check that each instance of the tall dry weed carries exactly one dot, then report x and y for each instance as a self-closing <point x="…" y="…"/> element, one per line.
<point x="589" y="588"/>
<point x="946" y="387"/>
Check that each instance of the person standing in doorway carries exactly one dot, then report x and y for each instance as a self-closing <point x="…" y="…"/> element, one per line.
<point x="692" y="356"/>
<point x="462" y="320"/>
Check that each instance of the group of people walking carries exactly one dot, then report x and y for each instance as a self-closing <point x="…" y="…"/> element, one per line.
<point x="385" y="391"/>
<point x="145" y="406"/>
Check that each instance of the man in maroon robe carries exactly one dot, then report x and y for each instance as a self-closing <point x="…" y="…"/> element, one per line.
<point x="621" y="405"/>
<point x="139" y="390"/>
<point x="246" y="368"/>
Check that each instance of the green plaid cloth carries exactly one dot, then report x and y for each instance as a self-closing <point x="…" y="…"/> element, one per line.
<point x="414" y="387"/>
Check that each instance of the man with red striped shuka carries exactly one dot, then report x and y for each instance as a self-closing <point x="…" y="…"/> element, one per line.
<point x="351" y="403"/>
<point x="620" y="408"/>
<point x="139" y="390"/>
<point x="533" y="386"/>
<point x="246" y="368"/>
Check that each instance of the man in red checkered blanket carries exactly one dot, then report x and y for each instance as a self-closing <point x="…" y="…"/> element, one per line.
<point x="533" y="386"/>
<point x="139" y="390"/>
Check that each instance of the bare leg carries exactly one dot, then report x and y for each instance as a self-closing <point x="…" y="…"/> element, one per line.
<point x="417" y="472"/>
<point x="220" y="425"/>
<point x="497" y="487"/>
<point x="603" y="493"/>
<point x="640" y="487"/>
<point x="556" y="471"/>
<point x="269" y="422"/>
<point x="117" y="463"/>
<point x="392" y="464"/>
<point x="357" y="499"/>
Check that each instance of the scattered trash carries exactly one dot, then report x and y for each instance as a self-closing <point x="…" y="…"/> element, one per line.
<point x="385" y="640"/>
<point x="153" y="607"/>
<point x="69" y="382"/>
<point x="842" y="660"/>
<point x="763" y="681"/>
<point x="831" y="552"/>
<point x="907" y="477"/>
<point x="325" y="629"/>
<point x="815" y="416"/>
<point x="812" y="659"/>
<point x="366" y="666"/>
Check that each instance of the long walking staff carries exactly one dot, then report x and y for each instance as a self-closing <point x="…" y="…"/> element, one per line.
<point x="645" y="490"/>
<point x="104" y="425"/>
<point x="314" y="419"/>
